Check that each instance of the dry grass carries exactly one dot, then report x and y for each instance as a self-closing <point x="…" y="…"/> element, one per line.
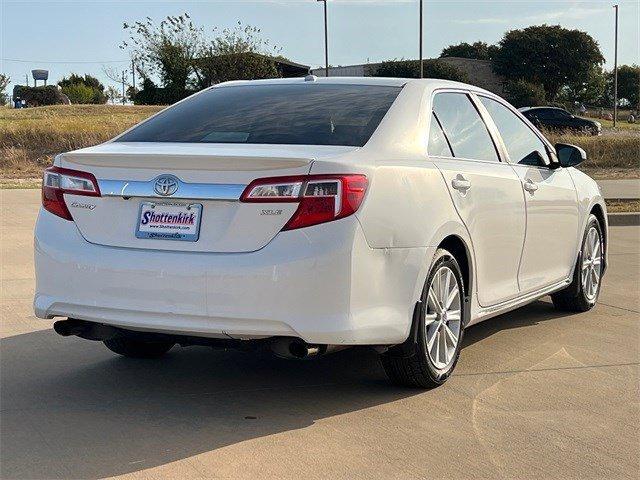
<point x="30" y="138"/>
<point x="613" y="150"/>
<point x="623" y="206"/>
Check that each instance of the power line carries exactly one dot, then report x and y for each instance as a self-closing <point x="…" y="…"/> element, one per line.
<point x="61" y="62"/>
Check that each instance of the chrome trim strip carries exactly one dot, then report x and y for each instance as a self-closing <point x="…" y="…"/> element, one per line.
<point x="229" y="192"/>
<point x="487" y="312"/>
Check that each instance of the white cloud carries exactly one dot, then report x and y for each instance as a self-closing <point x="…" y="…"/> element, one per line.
<point x="575" y="12"/>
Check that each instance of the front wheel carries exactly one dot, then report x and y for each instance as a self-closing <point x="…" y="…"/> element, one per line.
<point x="440" y="322"/>
<point x="583" y="292"/>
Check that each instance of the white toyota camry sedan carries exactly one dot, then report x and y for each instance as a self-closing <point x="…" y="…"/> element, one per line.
<point x="308" y="215"/>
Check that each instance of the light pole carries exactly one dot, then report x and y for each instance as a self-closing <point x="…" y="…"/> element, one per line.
<point x="326" y="41"/>
<point x="615" y="75"/>
<point x="420" y="47"/>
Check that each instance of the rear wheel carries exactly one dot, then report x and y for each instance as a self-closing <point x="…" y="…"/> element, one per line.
<point x="439" y="329"/>
<point x="137" y="348"/>
<point x="583" y="292"/>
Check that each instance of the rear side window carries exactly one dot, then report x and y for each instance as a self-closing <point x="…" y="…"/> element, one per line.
<point x="295" y="114"/>
<point x="463" y="126"/>
<point x="438" y="144"/>
<point x="523" y="146"/>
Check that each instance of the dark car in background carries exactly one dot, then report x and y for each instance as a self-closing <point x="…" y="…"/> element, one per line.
<point x="557" y="119"/>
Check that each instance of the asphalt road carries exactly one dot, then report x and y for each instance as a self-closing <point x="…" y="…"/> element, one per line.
<point x="536" y="394"/>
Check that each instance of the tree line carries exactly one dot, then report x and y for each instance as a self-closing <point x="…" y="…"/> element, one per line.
<point x="550" y="64"/>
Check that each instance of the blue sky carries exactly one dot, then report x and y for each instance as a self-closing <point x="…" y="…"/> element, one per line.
<point x="56" y="34"/>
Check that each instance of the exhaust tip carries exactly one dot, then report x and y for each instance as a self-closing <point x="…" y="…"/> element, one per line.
<point x="67" y="328"/>
<point x="291" y="348"/>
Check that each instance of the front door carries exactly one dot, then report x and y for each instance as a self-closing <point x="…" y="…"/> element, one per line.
<point x="552" y="226"/>
<point x="549" y="251"/>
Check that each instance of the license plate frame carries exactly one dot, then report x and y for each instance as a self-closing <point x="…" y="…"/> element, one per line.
<point x="166" y="230"/>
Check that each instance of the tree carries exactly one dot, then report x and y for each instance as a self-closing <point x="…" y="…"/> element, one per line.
<point x="169" y="50"/>
<point x="549" y="55"/>
<point x="4" y="83"/>
<point x="588" y="90"/>
<point x="477" y="50"/>
<point x="79" y="89"/>
<point x="238" y="54"/>
<point x="182" y="56"/>
<point x="411" y="69"/>
<point x="628" y="86"/>
<point x="521" y="93"/>
<point x="113" y="94"/>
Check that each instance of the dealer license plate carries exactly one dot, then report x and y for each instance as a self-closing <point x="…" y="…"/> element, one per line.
<point x="169" y="221"/>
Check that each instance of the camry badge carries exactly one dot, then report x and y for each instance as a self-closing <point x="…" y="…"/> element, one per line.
<point x="166" y="185"/>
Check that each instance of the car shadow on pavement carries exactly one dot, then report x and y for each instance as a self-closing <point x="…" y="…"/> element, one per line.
<point x="532" y="314"/>
<point x="71" y="409"/>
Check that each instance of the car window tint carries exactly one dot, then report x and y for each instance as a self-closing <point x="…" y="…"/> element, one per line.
<point x="464" y="127"/>
<point x="523" y="146"/>
<point x="438" y="144"/>
<point x="298" y="114"/>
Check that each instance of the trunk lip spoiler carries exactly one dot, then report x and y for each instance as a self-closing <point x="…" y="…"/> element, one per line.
<point x="185" y="191"/>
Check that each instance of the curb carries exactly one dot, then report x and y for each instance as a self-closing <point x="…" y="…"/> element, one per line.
<point x="623" y="219"/>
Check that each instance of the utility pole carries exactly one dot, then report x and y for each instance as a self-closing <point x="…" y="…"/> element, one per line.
<point x="123" y="92"/>
<point x="133" y="74"/>
<point x="420" y="48"/>
<point x="326" y="40"/>
<point x="615" y="75"/>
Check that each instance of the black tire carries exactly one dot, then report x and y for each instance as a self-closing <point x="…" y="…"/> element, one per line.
<point x="417" y="369"/>
<point x="133" y="348"/>
<point x="574" y="298"/>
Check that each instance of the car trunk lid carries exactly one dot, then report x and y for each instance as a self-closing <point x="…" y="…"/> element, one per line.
<point x="209" y="179"/>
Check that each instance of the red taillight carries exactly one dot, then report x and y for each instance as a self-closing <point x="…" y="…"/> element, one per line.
<point x="58" y="181"/>
<point x="321" y="198"/>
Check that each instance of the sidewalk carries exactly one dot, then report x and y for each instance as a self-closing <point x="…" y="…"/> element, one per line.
<point x="620" y="189"/>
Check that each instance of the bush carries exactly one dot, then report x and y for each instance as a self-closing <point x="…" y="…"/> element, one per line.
<point x="411" y="69"/>
<point x="522" y="93"/>
<point x="79" y="93"/>
<point x="39" y="96"/>
<point x="151" y="94"/>
<point x="87" y="89"/>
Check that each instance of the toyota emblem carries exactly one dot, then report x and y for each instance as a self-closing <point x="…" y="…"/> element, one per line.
<point x="166" y="185"/>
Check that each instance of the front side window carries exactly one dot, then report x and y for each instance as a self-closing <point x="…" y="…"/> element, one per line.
<point x="294" y="114"/>
<point x="438" y="144"/>
<point x="523" y="146"/>
<point x="463" y="126"/>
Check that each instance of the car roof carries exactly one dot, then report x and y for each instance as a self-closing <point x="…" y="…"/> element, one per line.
<point x="529" y="109"/>
<point x="382" y="81"/>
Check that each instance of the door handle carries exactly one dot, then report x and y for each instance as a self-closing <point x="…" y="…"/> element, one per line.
<point x="461" y="184"/>
<point x="530" y="186"/>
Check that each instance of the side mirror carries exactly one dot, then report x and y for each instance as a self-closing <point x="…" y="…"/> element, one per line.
<point x="570" y="155"/>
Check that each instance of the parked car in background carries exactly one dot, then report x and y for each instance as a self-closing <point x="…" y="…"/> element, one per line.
<point x="309" y="215"/>
<point x="558" y="119"/>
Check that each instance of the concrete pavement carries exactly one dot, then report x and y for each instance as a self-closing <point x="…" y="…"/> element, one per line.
<point x="536" y="394"/>
<point x="620" y="189"/>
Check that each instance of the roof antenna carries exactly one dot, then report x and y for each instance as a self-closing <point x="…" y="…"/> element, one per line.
<point x="310" y="78"/>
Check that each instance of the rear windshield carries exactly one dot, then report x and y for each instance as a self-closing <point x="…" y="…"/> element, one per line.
<point x="300" y="114"/>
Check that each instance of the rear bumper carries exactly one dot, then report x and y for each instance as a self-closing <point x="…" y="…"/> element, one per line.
<point x="322" y="284"/>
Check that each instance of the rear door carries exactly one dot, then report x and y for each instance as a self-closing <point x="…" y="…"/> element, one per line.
<point x="552" y="207"/>
<point x="486" y="192"/>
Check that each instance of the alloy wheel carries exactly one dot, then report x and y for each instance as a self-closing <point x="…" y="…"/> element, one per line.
<point x="591" y="264"/>
<point x="443" y="318"/>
